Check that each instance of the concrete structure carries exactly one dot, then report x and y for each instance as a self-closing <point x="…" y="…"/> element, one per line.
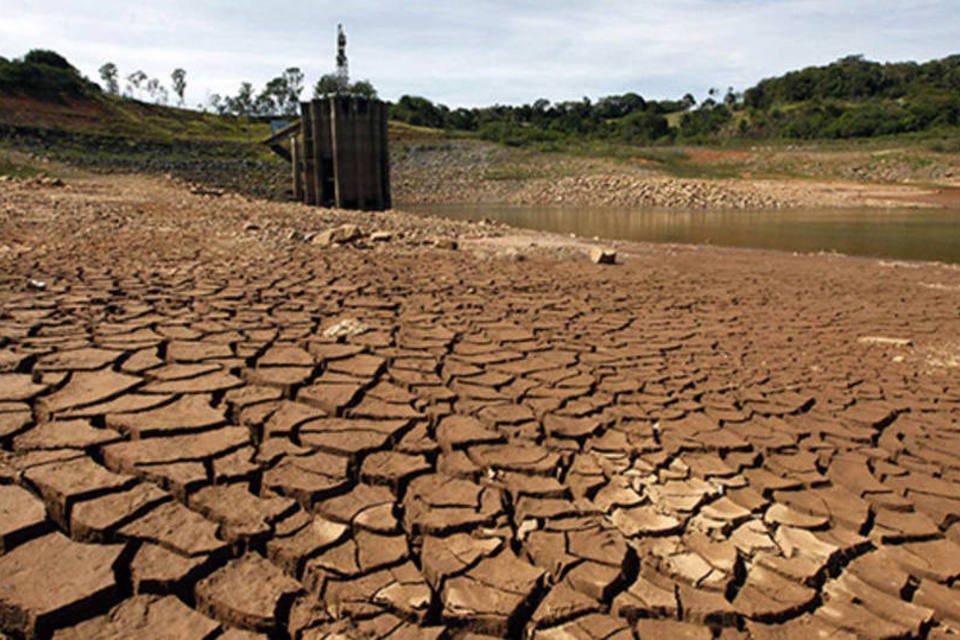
<point x="342" y="157"/>
<point x="338" y="152"/>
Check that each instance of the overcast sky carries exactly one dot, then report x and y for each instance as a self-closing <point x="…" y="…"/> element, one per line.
<point x="474" y="53"/>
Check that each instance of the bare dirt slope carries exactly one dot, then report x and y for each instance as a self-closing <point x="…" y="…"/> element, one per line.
<point x="211" y="424"/>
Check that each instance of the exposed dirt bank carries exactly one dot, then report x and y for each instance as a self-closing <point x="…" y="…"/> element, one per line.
<point x="470" y="172"/>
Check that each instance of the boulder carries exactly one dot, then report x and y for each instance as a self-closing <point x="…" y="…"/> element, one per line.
<point x="600" y="255"/>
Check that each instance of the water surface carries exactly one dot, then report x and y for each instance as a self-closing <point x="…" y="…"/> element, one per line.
<point x="906" y="234"/>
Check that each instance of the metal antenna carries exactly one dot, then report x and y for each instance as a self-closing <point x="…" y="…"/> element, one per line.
<point x="343" y="67"/>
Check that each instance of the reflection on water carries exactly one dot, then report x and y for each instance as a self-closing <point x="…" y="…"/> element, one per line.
<point x="908" y="234"/>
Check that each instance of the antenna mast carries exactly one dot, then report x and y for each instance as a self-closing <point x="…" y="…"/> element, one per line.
<point x="343" y="67"/>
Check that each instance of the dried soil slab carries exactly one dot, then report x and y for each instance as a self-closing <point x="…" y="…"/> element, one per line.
<point x="95" y="520"/>
<point x="309" y="478"/>
<point x="361" y="365"/>
<point x="562" y="603"/>
<point x="187" y="414"/>
<point x="884" y="605"/>
<point x="515" y="456"/>
<point x="407" y="594"/>
<point x="14" y="418"/>
<point x="769" y="597"/>
<point x="18" y="386"/>
<point x="333" y="398"/>
<point x="645" y="521"/>
<point x="128" y="456"/>
<point x="155" y="569"/>
<point x="127" y="403"/>
<point x="63" y="484"/>
<point x="196" y="351"/>
<point x="22" y="516"/>
<point x="671" y="629"/>
<point x="241" y="514"/>
<point x="459" y="432"/>
<point x="392" y="468"/>
<point x="285" y="356"/>
<point x="249" y="592"/>
<point x="352" y="559"/>
<point x="364" y="506"/>
<point x="64" y="434"/>
<point x="85" y="359"/>
<point x="441" y="504"/>
<point x="803" y="627"/>
<point x="944" y="601"/>
<point x="351" y="438"/>
<point x="288" y="417"/>
<point x="175" y="527"/>
<point x="159" y="618"/>
<point x="88" y="387"/>
<point x="376" y="409"/>
<point x="35" y="597"/>
<point x="650" y="596"/>
<point x="491" y="595"/>
<point x="443" y="557"/>
<point x="207" y="383"/>
<point x="291" y="552"/>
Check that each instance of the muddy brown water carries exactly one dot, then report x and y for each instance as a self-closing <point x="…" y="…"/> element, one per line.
<point x="906" y="234"/>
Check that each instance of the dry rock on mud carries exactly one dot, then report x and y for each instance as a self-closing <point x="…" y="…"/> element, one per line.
<point x="208" y="431"/>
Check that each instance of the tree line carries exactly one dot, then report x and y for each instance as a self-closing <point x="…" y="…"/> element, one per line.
<point x="626" y="117"/>
<point x="851" y="97"/>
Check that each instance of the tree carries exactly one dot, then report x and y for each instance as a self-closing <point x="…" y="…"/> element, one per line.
<point x="294" y="79"/>
<point x="217" y="103"/>
<point x="327" y="84"/>
<point x="688" y="102"/>
<point x="643" y="126"/>
<point x="243" y="104"/>
<point x="108" y="73"/>
<point x="364" y="88"/>
<point x="731" y="98"/>
<point x="153" y="88"/>
<point x="179" y="78"/>
<point x="273" y="99"/>
<point x="134" y="81"/>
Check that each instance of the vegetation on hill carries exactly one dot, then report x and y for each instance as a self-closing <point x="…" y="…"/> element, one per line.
<point x="850" y="98"/>
<point x="44" y="74"/>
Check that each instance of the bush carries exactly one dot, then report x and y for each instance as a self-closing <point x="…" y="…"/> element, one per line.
<point x="517" y="135"/>
<point x="643" y="127"/>
<point x="705" y="121"/>
<point x="48" y="58"/>
<point x="44" y="74"/>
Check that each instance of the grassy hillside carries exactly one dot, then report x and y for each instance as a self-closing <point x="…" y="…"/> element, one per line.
<point x="105" y="115"/>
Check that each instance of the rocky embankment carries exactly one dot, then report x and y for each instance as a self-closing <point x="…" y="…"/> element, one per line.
<point x="458" y="171"/>
<point x="647" y="191"/>
<point x="471" y="172"/>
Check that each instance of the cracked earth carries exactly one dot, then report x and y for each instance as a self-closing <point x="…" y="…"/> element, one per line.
<point x="213" y="429"/>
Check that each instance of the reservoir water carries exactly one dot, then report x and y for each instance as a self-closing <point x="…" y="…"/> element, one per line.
<point x="906" y="234"/>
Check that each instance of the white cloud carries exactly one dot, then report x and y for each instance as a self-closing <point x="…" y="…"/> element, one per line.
<point x="486" y="51"/>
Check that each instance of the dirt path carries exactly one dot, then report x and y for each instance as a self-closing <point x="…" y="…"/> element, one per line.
<point x="213" y="423"/>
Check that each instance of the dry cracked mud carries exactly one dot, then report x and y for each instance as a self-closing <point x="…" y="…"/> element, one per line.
<point x="211" y="428"/>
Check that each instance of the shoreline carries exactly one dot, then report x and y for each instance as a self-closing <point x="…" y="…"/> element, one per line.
<point x="628" y="191"/>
